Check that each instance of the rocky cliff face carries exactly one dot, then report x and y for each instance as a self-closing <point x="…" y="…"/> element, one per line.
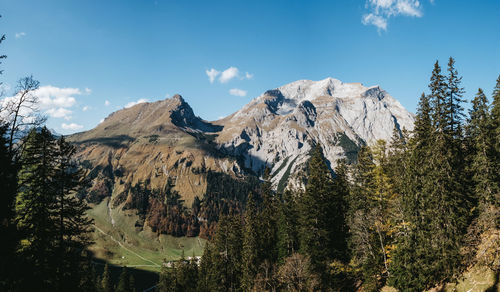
<point x="279" y="128"/>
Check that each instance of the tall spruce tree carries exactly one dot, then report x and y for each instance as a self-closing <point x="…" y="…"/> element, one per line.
<point x="52" y="223"/>
<point x="484" y="173"/>
<point x="288" y="242"/>
<point x="411" y="258"/>
<point x="437" y="97"/>
<point x="35" y="207"/>
<point x="495" y="127"/>
<point x="250" y="252"/>
<point x="106" y="281"/>
<point x="70" y="219"/>
<point x="317" y="207"/>
<point x="363" y="240"/>
<point x="123" y="282"/>
<point x="268" y="222"/>
<point x="436" y="200"/>
<point x="371" y="215"/>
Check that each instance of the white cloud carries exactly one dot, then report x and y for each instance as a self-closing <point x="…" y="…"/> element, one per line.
<point x="20" y="34"/>
<point x="132" y="103"/>
<point x="212" y="74"/>
<point x="237" y="92"/>
<point x="107" y="103"/>
<point x="228" y="74"/>
<point x="59" y="113"/>
<point x="378" y="21"/>
<point x="382" y="10"/>
<point x="56" y="101"/>
<point x="88" y="90"/>
<point x="71" y="126"/>
<point x="86" y="108"/>
<point x="52" y="101"/>
<point x="101" y="120"/>
<point x="52" y="97"/>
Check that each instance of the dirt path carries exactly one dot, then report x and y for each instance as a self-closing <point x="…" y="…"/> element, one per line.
<point x="127" y="249"/>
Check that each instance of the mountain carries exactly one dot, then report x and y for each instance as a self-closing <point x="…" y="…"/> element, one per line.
<point x="212" y="166"/>
<point x="150" y="142"/>
<point x="279" y="128"/>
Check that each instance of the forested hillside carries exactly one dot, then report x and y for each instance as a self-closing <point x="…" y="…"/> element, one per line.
<point x="413" y="213"/>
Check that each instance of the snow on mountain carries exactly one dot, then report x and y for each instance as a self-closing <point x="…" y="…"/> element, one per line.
<point x="279" y="128"/>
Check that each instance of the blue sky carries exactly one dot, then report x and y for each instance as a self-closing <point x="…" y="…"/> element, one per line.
<point x="93" y="57"/>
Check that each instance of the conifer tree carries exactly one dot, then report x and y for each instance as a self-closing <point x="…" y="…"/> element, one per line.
<point x="408" y="261"/>
<point x="123" y="282"/>
<point x="484" y="173"/>
<point x="268" y="222"/>
<point x="316" y="209"/>
<point x="35" y="205"/>
<point x="437" y="98"/>
<point x="52" y="222"/>
<point x="70" y="219"/>
<point x="211" y="270"/>
<point x="251" y="247"/>
<point x="288" y="242"/>
<point x="371" y="218"/>
<point x="225" y="259"/>
<point x="495" y="125"/>
<point x="167" y="281"/>
<point x="454" y="99"/>
<point x="338" y="219"/>
<point x="436" y="201"/>
<point x="106" y="282"/>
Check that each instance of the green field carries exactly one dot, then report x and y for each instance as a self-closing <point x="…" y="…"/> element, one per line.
<point x="120" y="243"/>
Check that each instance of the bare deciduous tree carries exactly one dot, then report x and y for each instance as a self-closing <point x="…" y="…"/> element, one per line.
<point x="21" y="111"/>
<point x="295" y="274"/>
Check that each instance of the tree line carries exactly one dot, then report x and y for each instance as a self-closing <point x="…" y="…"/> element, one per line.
<point x="412" y="213"/>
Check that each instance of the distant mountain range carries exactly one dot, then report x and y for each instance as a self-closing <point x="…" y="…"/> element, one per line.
<point x="156" y="144"/>
<point x="153" y="141"/>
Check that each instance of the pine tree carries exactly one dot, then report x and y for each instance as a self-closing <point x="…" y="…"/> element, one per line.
<point x="338" y="221"/>
<point x="211" y="270"/>
<point x="437" y="98"/>
<point x="316" y="209"/>
<point x="288" y="242"/>
<point x="409" y="261"/>
<point x="35" y="205"/>
<point x="89" y="281"/>
<point x="495" y="128"/>
<point x="250" y="252"/>
<point x="70" y="219"/>
<point x="106" y="282"/>
<point x="222" y="262"/>
<point x="371" y="215"/>
<point x="166" y="281"/>
<point x="123" y="282"/>
<point x="186" y="275"/>
<point x="484" y="173"/>
<point x="436" y="200"/>
<point x="268" y="222"/>
<point x="454" y="99"/>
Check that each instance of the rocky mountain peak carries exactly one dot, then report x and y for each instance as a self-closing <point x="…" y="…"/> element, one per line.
<point x="278" y="128"/>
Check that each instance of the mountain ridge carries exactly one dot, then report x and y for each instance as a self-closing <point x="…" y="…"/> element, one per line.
<point x="276" y="130"/>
